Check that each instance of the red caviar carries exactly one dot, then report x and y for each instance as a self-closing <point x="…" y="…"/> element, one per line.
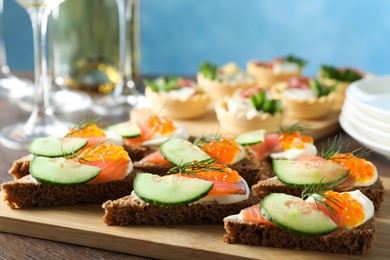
<point x="224" y="150"/>
<point x="286" y="140"/>
<point x="92" y="132"/>
<point x="112" y="159"/>
<point x="89" y="131"/>
<point x="360" y="169"/>
<point x="349" y="212"/>
<point x="219" y="172"/>
<point x="152" y="126"/>
<point x="105" y="151"/>
<point x="160" y="125"/>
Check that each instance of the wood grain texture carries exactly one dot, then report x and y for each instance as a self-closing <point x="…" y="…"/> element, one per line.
<point x="82" y="225"/>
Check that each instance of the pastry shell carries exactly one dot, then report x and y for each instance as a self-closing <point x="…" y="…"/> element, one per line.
<point x="314" y="108"/>
<point x="172" y="107"/>
<point x="238" y="124"/>
<point x="217" y="89"/>
<point x="266" y="77"/>
<point x="341" y="88"/>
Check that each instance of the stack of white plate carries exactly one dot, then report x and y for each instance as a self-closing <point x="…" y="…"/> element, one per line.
<point x="365" y="114"/>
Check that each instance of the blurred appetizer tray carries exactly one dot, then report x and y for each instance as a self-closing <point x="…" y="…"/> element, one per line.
<point x="83" y="225"/>
<point x="208" y="123"/>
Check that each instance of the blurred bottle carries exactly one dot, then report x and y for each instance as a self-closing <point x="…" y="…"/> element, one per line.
<point x="85" y="41"/>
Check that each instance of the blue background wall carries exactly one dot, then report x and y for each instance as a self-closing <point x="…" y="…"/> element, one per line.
<point x="178" y="35"/>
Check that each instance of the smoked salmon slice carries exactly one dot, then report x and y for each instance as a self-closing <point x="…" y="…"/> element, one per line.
<point x="112" y="159"/>
<point x="253" y="214"/>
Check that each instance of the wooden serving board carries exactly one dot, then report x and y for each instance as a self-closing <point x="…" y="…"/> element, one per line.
<point x="209" y="123"/>
<point x="83" y="225"/>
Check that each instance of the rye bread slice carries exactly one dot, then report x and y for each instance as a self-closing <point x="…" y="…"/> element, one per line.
<point x="20" y="167"/>
<point x="355" y="241"/>
<point x="132" y="211"/>
<point x="374" y="192"/>
<point x="137" y="152"/>
<point x="26" y="192"/>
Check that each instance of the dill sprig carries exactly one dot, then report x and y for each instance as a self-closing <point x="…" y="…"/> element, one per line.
<point x="213" y="137"/>
<point x="93" y="152"/>
<point x="335" y="146"/>
<point x="87" y="121"/>
<point x="193" y="167"/>
<point x="299" y="126"/>
<point x="317" y="192"/>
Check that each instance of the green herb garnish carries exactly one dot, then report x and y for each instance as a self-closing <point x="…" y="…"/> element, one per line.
<point x="335" y="146"/>
<point x="81" y="156"/>
<point x="87" y="121"/>
<point x="299" y="127"/>
<point x="209" y="70"/>
<point x="331" y="72"/>
<point x="193" y="167"/>
<point x="199" y="141"/>
<point x="261" y="102"/>
<point x="163" y="84"/>
<point x="300" y="62"/>
<point x="317" y="192"/>
<point x="320" y="89"/>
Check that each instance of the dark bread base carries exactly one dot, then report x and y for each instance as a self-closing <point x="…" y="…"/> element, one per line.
<point x="374" y="192"/>
<point x="138" y="152"/>
<point x="26" y="193"/>
<point x="20" y="168"/>
<point x="354" y="241"/>
<point x="132" y="211"/>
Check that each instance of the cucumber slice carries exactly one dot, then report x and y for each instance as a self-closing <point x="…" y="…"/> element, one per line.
<point x="126" y="129"/>
<point x="170" y="190"/>
<point x="251" y="138"/>
<point x="303" y="173"/>
<point x="178" y="151"/>
<point x="60" y="171"/>
<point x="296" y="215"/>
<point x="56" y="147"/>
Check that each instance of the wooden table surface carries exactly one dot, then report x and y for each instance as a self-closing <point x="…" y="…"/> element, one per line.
<point x="19" y="247"/>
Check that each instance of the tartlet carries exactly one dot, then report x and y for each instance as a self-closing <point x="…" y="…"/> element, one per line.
<point x="176" y="98"/>
<point x="341" y="78"/>
<point x="305" y="98"/>
<point x="240" y="113"/>
<point x="218" y="83"/>
<point x="277" y="70"/>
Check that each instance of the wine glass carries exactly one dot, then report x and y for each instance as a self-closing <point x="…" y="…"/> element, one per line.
<point x="117" y="103"/>
<point x="42" y="121"/>
<point x="10" y="86"/>
<point x="63" y="100"/>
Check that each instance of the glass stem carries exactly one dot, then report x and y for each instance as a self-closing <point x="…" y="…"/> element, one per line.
<point x="122" y="46"/>
<point x="4" y="69"/>
<point x="130" y="14"/>
<point x="42" y="110"/>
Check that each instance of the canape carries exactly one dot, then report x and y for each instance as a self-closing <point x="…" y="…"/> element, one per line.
<point x="327" y="221"/>
<point x="249" y="110"/>
<point x="341" y="78"/>
<point x="268" y="73"/>
<point x="197" y="190"/>
<point x="224" y="81"/>
<point x="305" y="98"/>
